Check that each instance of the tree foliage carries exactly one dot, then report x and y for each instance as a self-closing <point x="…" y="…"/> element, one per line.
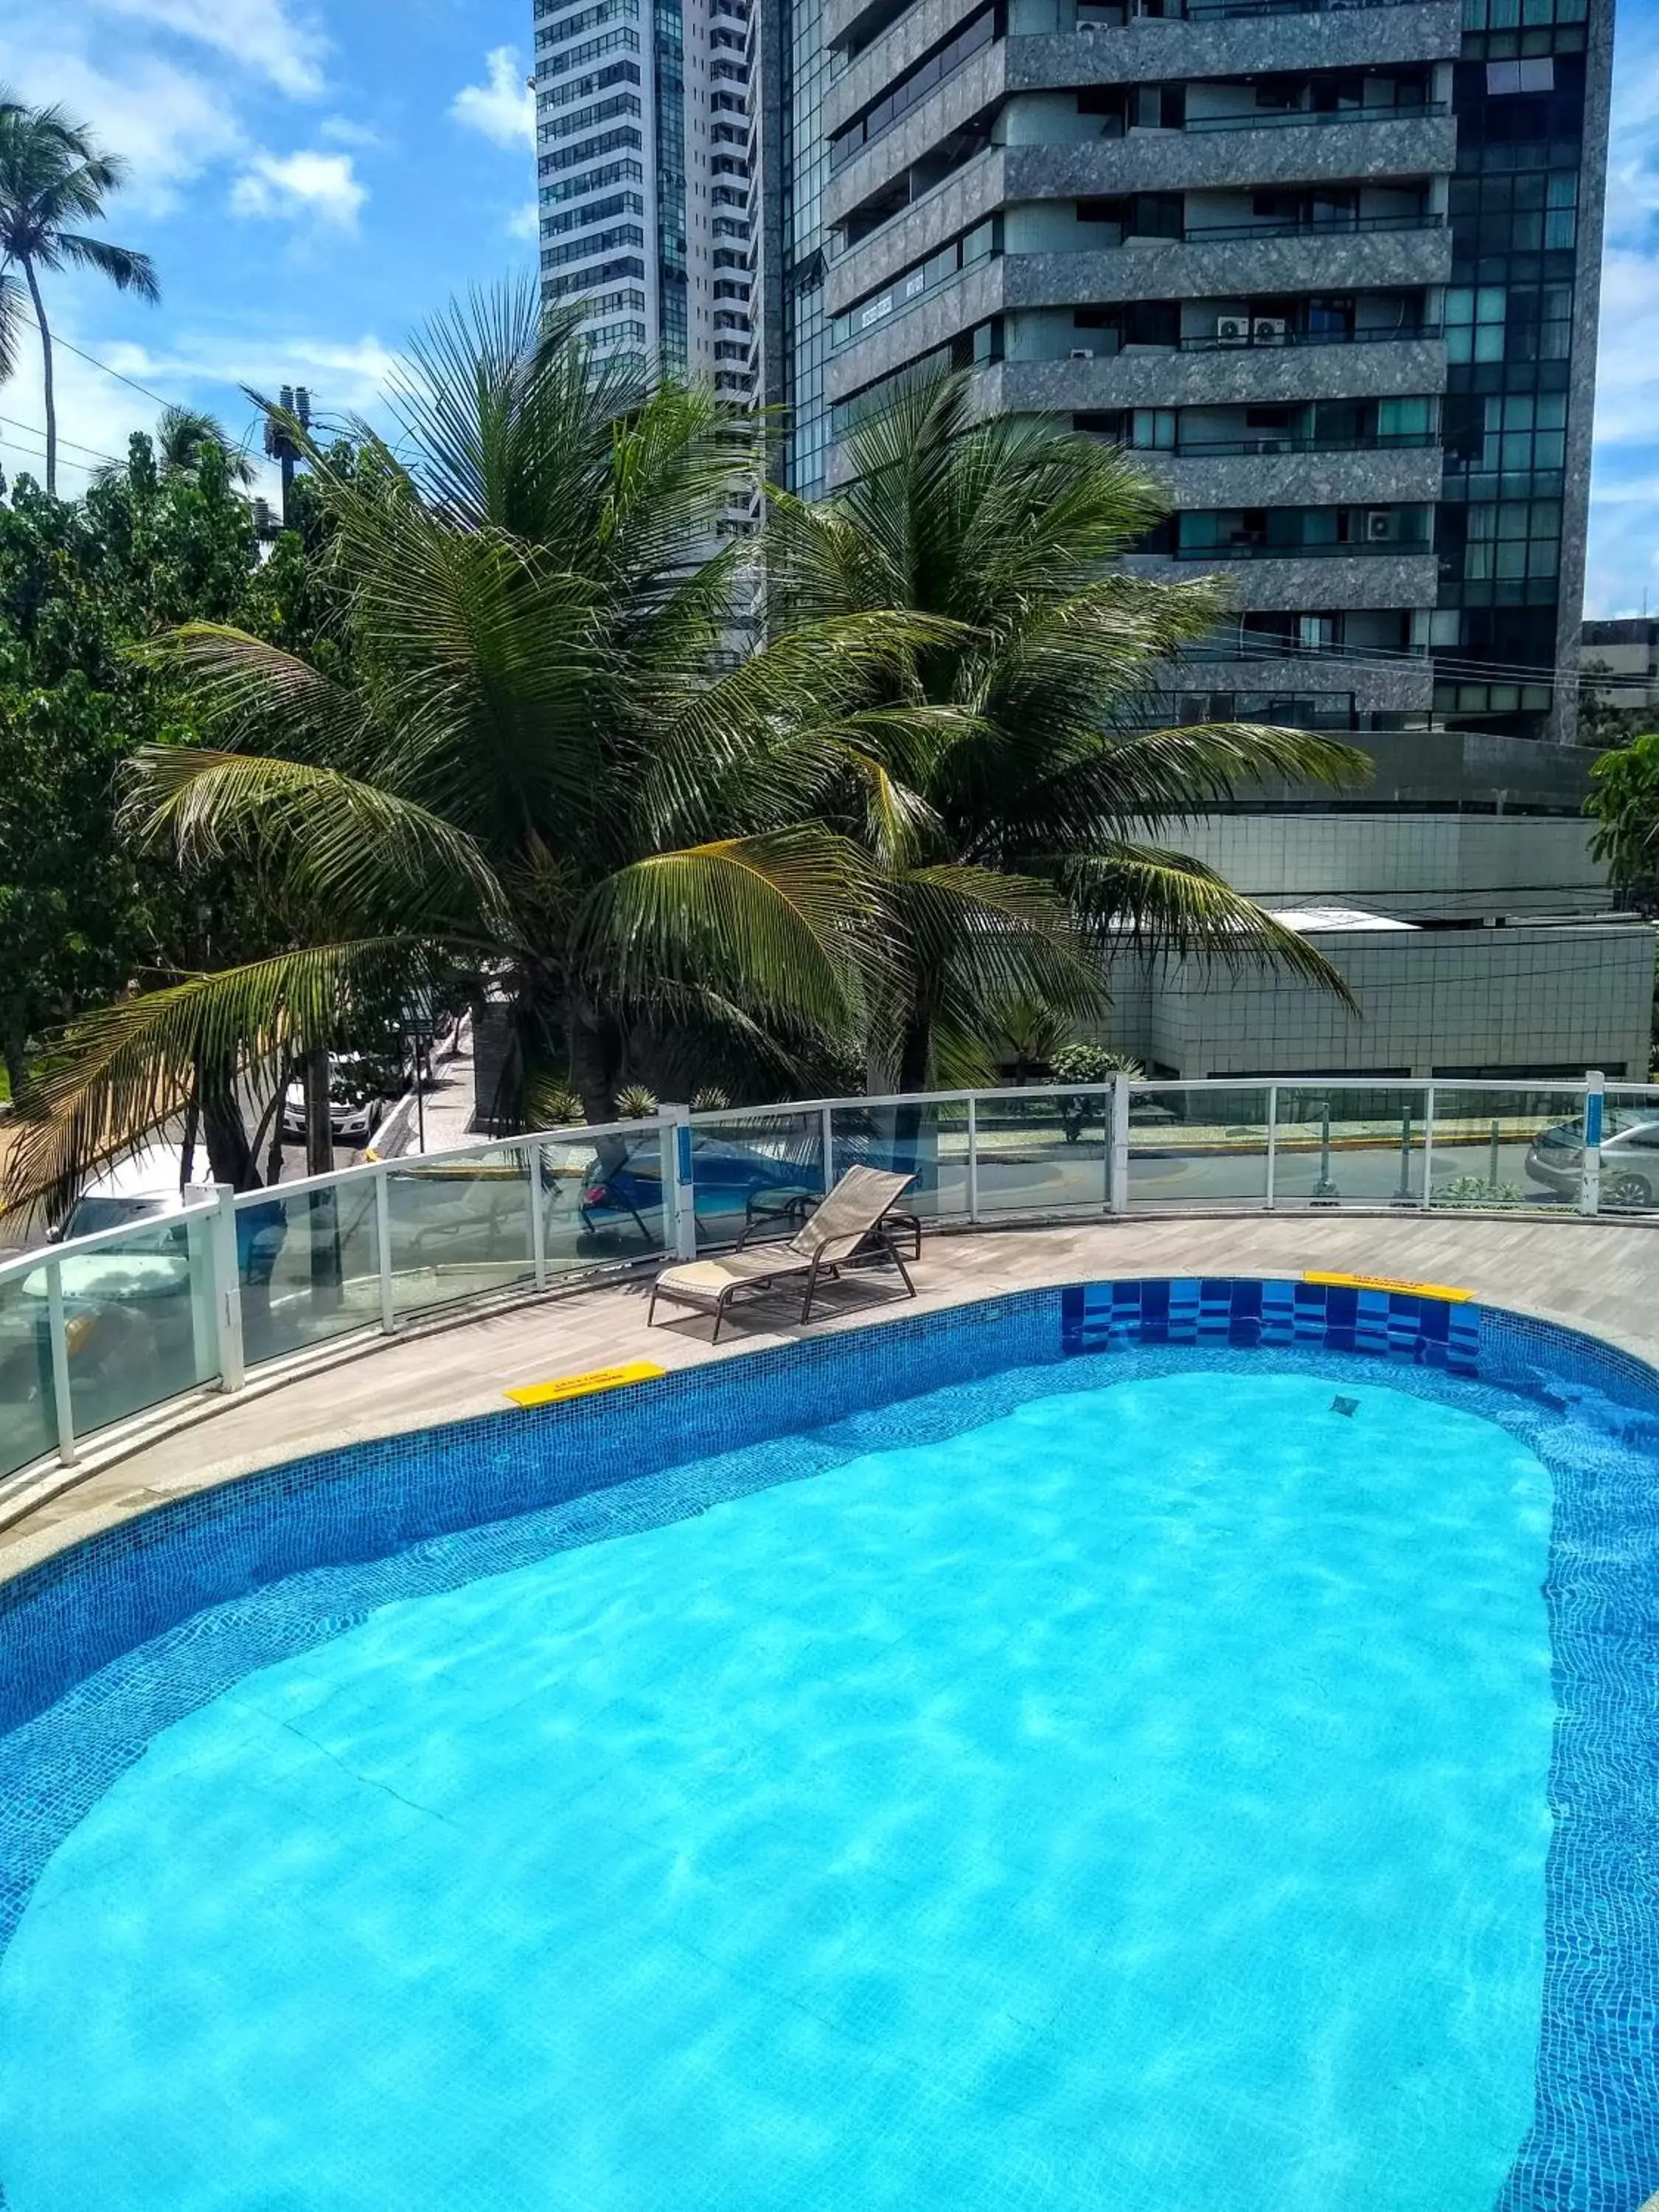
<point x="1624" y="801"/>
<point x="1003" y="776"/>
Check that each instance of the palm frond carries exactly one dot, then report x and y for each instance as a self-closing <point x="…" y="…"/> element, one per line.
<point x="1167" y="903"/>
<point x="126" y="1069"/>
<point x="776" y="923"/>
<point x="341" y="852"/>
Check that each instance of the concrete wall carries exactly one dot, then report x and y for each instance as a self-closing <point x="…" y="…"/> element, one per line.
<point x="1527" y="998"/>
<point x="1454" y="866"/>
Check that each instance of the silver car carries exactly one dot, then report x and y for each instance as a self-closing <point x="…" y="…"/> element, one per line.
<point x="1630" y="1158"/>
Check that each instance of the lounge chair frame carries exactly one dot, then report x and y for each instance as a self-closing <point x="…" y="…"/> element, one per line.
<point x="814" y="1259"/>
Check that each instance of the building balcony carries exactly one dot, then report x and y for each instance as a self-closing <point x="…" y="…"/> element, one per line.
<point x="1249" y="376"/>
<point x="1296" y="149"/>
<point x="1245" y="38"/>
<point x="1386" y="253"/>
<point x="1379" y="476"/>
<point x="1336" y="577"/>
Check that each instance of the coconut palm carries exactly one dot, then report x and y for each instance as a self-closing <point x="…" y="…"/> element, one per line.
<point x="539" y="780"/>
<point x="182" y="437"/>
<point x="1028" y="802"/>
<point x="52" y="173"/>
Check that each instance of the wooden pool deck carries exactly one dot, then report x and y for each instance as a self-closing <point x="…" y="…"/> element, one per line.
<point x="1594" y="1275"/>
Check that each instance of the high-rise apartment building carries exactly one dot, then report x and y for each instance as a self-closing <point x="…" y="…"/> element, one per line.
<point x="644" y="123"/>
<point x="1331" y="268"/>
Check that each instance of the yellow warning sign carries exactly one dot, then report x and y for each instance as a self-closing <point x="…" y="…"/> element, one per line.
<point x="583" y="1386"/>
<point x="1390" y="1283"/>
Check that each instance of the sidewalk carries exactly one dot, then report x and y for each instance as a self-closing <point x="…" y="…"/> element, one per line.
<point x="440" y="1117"/>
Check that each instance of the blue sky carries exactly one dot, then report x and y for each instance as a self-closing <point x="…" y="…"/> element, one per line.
<point x="311" y="180"/>
<point x="314" y="177"/>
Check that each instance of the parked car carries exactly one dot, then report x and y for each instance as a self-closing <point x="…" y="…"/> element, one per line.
<point x="358" y="1085"/>
<point x="1629" y="1157"/>
<point x="142" y="1189"/>
<point x="726" y="1177"/>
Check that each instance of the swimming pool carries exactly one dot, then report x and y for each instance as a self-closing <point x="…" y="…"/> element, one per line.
<point x="1149" y="1767"/>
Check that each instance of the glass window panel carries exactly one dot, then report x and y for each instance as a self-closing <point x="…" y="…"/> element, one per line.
<point x="309" y="1265"/>
<point x="1196" y="1146"/>
<point x="1489" y="343"/>
<point x="28" y="1407"/>
<point x="1336" y="1145"/>
<point x="760" y="1171"/>
<point x="1489" y="303"/>
<point x="1507" y="1149"/>
<point x="140" y="1318"/>
<point x="460" y="1228"/>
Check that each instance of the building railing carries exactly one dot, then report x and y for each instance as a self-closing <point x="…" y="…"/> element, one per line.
<point x="1338" y="226"/>
<point x="1261" y="442"/>
<point x="1276" y="118"/>
<point x="97" y="1332"/>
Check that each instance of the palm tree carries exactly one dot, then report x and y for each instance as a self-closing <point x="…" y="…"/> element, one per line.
<point x="52" y="173"/>
<point x="1011" y="821"/>
<point x="537" y="780"/>
<point x="182" y="437"/>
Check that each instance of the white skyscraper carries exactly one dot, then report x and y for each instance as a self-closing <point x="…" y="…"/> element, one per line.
<point x="646" y="163"/>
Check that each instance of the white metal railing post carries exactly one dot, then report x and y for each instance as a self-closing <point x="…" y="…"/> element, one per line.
<point x="1595" y="1106"/>
<point x="57" y="1347"/>
<point x="973" y="1160"/>
<point x="1428" y="1146"/>
<point x="828" y="1119"/>
<point x="383" y="1245"/>
<point x="228" y="1290"/>
<point x="1273" y="1147"/>
<point x="679" y="1187"/>
<point x="537" y="1165"/>
<point x="1117" y="1152"/>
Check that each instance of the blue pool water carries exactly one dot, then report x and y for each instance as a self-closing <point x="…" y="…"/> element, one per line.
<point x="1136" y="1803"/>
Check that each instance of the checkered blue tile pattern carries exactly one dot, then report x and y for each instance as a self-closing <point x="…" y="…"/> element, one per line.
<point x="1394" y="1324"/>
<point x="106" y="1645"/>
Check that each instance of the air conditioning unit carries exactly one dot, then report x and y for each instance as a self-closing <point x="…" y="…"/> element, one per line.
<point x="1379" y="525"/>
<point x="1268" y="330"/>
<point x="1082" y="352"/>
<point x="1232" y="330"/>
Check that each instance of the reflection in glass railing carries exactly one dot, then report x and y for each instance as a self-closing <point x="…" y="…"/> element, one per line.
<point x="1498" y="1146"/>
<point x="1339" y="1146"/>
<point x="756" y="1173"/>
<point x="1198" y="1147"/>
<point x="308" y="1261"/>
<point x="459" y="1229"/>
<point x="29" y="1408"/>
<point x="138" y="1317"/>
<point x="1044" y="1151"/>
<point x="927" y="1141"/>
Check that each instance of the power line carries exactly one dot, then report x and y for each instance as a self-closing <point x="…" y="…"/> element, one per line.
<point x="93" y="361"/>
<point x="34" y="431"/>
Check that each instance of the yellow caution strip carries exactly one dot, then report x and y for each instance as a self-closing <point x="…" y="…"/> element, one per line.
<point x="1390" y="1283"/>
<point x="584" y="1386"/>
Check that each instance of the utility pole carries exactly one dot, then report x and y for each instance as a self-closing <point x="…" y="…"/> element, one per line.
<point x="280" y="446"/>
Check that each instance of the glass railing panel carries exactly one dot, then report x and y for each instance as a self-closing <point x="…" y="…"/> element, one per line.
<point x="1192" y="1147"/>
<point x="1507" y="1148"/>
<point x="28" y="1404"/>
<point x="602" y="1202"/>
<point x="1337" y="1146"/>
<point x="1048" y="1153"/>
<point x="308" y="1264"/>
<point x="460" y="1228"/>
<point x="1630" y="1151"/>
<point x="139" y="1319"/>
<point x="927" y="1142"/>
<point x="757" y="1171"/>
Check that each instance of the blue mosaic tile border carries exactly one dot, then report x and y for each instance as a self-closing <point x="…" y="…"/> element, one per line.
<point x="107" y="1644"/>
<point x="1252" y="1314"/>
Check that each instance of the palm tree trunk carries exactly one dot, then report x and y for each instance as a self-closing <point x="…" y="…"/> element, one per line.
<point x="46" y="358"/>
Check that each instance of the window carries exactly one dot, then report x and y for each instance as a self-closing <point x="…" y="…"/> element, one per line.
<point x="1537" y="75"/>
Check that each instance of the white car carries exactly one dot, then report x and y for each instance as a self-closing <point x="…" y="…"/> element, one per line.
<point x="355" y="1107"/>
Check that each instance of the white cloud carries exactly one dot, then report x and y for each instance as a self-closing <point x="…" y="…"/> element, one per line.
<point x="263" y="35"/>
<point x="169" y="123"/>
<point x="341" y="131"/>
<point x="323" y="186"/>
<point x="526" y="222"/>
<point x="505" y="108"/>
